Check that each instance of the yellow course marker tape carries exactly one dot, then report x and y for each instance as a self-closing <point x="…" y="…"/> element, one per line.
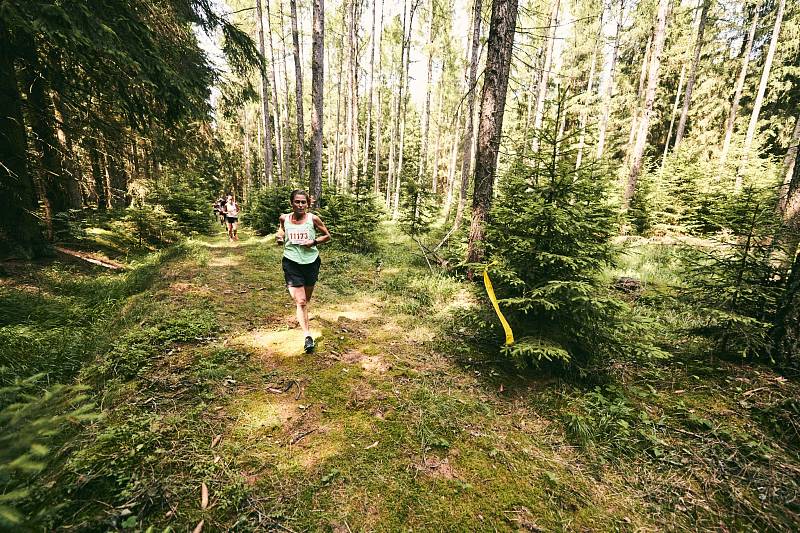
<point x="490" y="290"/>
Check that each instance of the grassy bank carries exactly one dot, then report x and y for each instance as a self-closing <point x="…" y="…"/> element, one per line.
<point x="405" y="419"/>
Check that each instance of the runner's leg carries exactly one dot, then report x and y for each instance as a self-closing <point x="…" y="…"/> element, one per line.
<point x="298" y="294"/>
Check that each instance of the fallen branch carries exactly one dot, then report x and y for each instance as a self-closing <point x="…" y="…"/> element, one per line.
<point x="89" y="258"/>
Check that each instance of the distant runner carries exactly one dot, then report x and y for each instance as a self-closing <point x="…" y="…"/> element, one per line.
<point x="232" y="218"/>
<point x="219" y="210"/>
<point x="298" y="233"/>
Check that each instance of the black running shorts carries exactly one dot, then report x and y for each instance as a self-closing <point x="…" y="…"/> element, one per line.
<point x="232" y="220"/>
<point x="297" y="275"/>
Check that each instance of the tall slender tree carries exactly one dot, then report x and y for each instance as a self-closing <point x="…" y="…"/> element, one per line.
<point x="762" y="88"/>
<point x="687" y="99"/>
<point x="493" y="99"/>
<point x="264" y="99"/>
<point x="469" y="123"/>
<point x="737" y="93"/>
<point x="541" y="91"/>
<point x="317" y="80"/>
<point x="637" y="154"/>
<point x="298" y="84"/>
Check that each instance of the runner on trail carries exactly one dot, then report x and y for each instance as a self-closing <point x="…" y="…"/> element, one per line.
<point x="219" y="211"/>
<point x="300" y="232"/>
<point x="232" y="218"/>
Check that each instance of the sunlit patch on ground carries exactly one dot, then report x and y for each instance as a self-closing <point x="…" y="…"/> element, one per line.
<point x="189" y="288"/>
<point x="362" y="309"/>
<point x="283" y="342"/>
<point x="225" y="261"/>
<point x="263" y="411"/>
<point x="370" y="363"/>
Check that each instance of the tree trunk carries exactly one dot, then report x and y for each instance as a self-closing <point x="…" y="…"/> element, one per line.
<point x="493" y="99"/>
<point x="541" y="92"/>
<point x="789" y="198"/>
<point x="371" y="91"/>
<point x="672" y="116"/>
<point x="317" y="80"/>
<point x="639" y="97"/>
<point x="99" y="177"/>
<point x="264" y="99"/>
<point x="650" y="96"/>
<point x="298" y="76"/>
<point x="588" y="95"/>
<point x="606" y="114"/>
<point x="379" y="119"/>
<point x="469" y="121"/>
<point x="279" y="140"/>
<point x="286" y="96"/>
<point x="785" y="332"/>
<point x="737" y="94"/>
<point x="687" y="100"/>
<point x="336" y="166"/>
<point x="69" y="164"/>
<point x="426" y="116"/>
<point x="19" y="230"/>
<point x="353" y="144"/>
<point x="762" y="88"/>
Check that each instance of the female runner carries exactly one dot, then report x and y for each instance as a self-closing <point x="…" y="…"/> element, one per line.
<point x="300" y="232"/>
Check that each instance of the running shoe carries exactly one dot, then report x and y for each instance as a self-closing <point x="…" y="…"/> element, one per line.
<point x="309" y="345"/>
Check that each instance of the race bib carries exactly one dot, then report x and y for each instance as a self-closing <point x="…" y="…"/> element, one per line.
<point x="297" y="236"/>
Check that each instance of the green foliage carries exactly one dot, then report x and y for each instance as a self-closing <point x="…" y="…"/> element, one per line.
<point x="188" y="207"/>
<point x="352" y="221"/>
<point x="148" y="224"/>
<point x="417" y="208"/>
<point x="549" y="239"/>
<point x="735" y="280"/>
<point x="265" y="206"/>
<point x="32" y="416"/>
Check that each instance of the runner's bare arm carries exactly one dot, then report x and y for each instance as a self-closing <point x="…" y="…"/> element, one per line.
<point x="325" y="235"/>
<point x="279" y="235"/>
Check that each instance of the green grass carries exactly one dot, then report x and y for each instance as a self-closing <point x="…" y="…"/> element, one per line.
<point x="405" y="419"/>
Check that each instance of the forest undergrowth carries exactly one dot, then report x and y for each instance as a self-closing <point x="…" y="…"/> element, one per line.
<point x="179" y="396"/>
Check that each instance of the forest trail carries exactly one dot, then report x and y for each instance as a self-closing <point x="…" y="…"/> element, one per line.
<point x="378" y="430"/>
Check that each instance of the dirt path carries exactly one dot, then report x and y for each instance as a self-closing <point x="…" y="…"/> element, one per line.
<point x="377" y="430"/>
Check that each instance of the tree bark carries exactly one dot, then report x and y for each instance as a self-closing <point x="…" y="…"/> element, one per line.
<point x="340" y="85"/>
<point x="279" y="140"/>
<point x="371" y="91"/>
<point x="687" y="99"/>
<point x="317" y="80"/>
<point x="469" y="122"/>
<point x="672" y="116"/>
<point x="19" y="230"/>
<point x="541" y="92"/>
<point x="789" y="197"/>
<point x="298" y="76"/>
<point x="426" y="116"/>
<point x="606" y="114"/>
<point x="737" y="94"/>
<point x="379" y="119"/>
<point x="762" y="88"/>
<point x="264" y="100"/>
<point x="650" y="96"/>
<point x="493" y="99"/>
<point x="588" y="95"/>
<point x="639" y="98"/>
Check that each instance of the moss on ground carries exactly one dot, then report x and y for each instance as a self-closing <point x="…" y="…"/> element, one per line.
<point x="195" y="364"/>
